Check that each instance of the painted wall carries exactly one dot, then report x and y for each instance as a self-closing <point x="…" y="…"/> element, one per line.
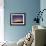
<point x="30" y="7"/>
<point x="1" y="20"/>
<point x="43" y="6"/>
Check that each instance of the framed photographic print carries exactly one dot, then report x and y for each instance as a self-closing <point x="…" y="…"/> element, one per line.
<point x="17" y="19"/>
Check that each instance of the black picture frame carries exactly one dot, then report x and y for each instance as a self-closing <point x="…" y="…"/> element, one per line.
<point x="17" y="19"/>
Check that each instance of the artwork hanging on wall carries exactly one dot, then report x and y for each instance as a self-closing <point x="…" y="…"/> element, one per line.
<point x="17" y="19"/>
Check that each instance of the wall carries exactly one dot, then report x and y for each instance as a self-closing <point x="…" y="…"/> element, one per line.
<point x="1" y="21"/>
<point x="42" y="6"/>
<point x="30" y="7"/>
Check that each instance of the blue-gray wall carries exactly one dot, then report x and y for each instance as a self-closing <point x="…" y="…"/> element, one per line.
<point x="43" y="6"/>
<point x="30" y="7"/>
